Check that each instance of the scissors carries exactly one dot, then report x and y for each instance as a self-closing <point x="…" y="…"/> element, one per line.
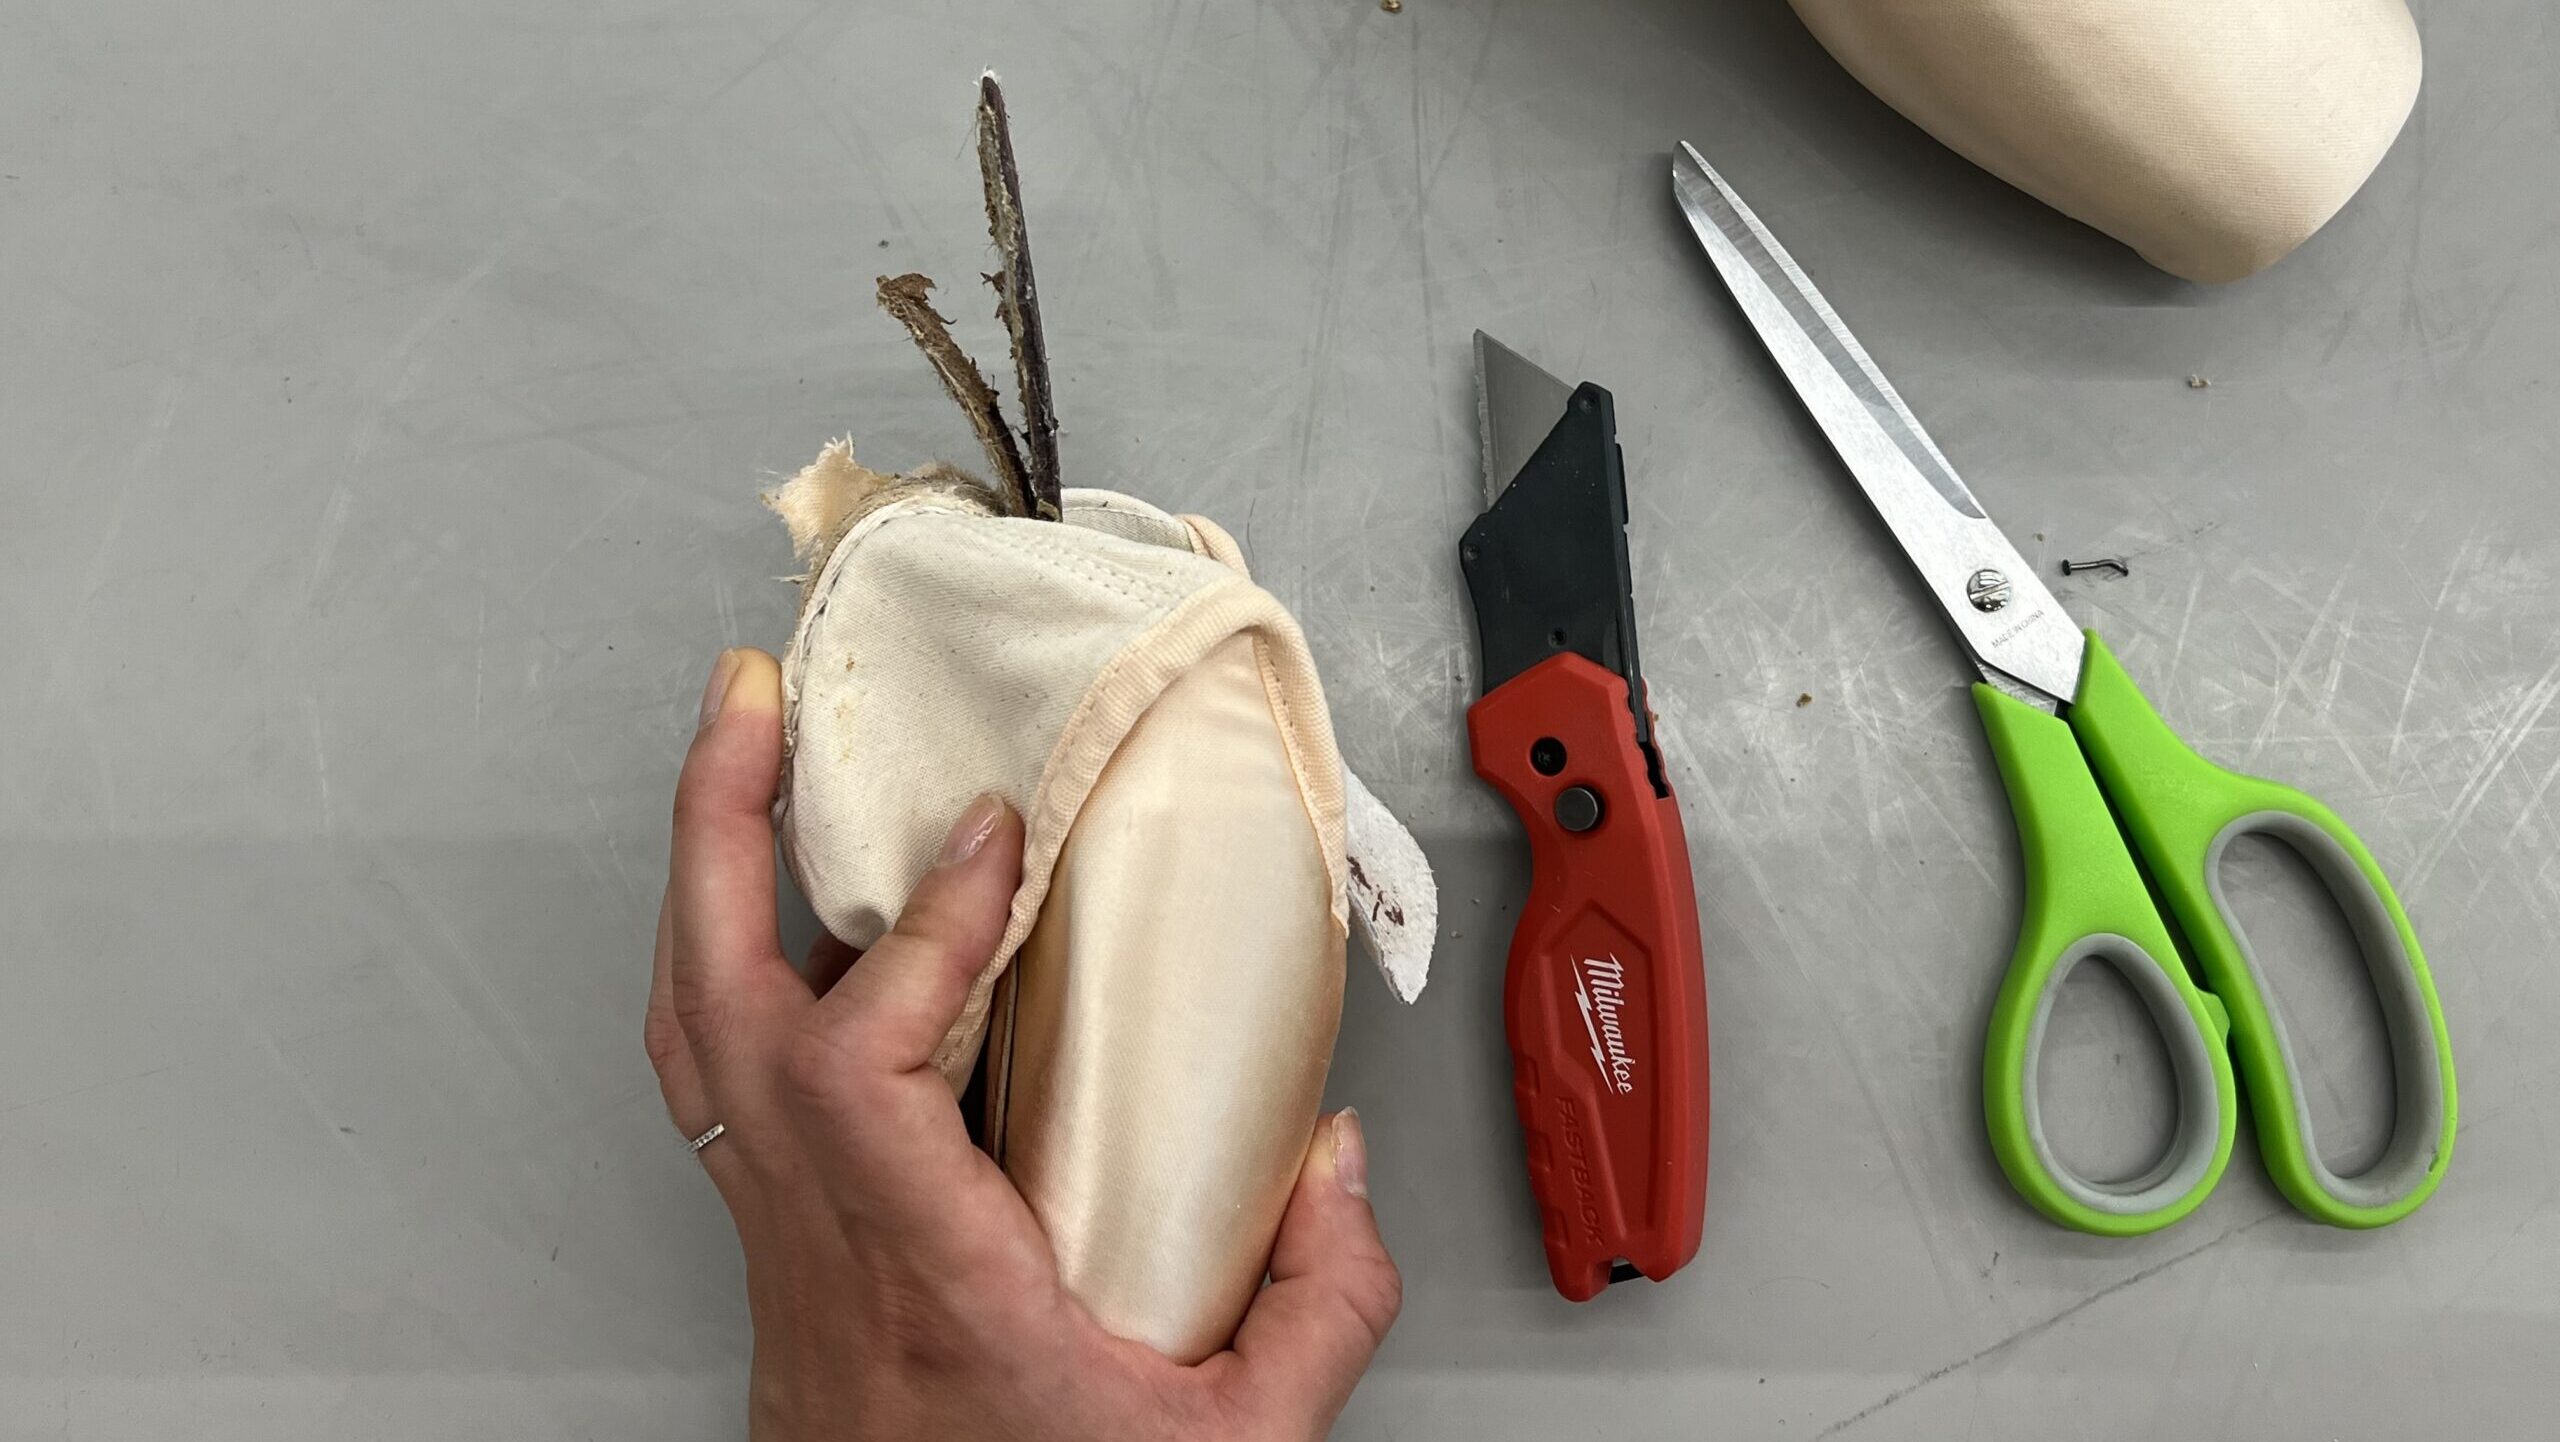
<point x="2105" y="795"/>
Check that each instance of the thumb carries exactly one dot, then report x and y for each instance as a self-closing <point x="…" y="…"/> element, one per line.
<point x="723" y="949"/>
<point x="1334" y="1291"/>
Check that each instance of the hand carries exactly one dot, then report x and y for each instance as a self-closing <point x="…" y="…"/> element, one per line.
<point x="899" y="1287"/>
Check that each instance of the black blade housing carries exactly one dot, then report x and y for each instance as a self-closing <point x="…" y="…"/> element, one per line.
<point x="1546" y="564"/>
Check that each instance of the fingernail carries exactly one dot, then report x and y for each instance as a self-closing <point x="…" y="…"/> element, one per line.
<point x="971" y="831"/>
<point x="717" y="689"/>
<point x="1350" y="1153"/>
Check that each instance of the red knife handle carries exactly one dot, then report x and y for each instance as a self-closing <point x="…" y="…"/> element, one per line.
<point x="1605" y="999"/>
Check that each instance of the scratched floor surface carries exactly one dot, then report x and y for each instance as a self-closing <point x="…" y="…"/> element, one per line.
<point x="383" y="393"/>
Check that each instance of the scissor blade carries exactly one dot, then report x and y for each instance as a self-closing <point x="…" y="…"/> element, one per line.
<point x="2018" y="634"/>
<point x="1517" y="403"/>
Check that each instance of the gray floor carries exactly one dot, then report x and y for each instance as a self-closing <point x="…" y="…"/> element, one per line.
<point x="383" y="395"/>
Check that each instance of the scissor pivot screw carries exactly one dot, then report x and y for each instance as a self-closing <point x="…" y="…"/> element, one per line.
<point x="1988" y="590"/>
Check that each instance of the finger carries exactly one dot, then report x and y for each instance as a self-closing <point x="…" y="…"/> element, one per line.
<point x="829" y="959"/>
<point x="669" y="1054"/>
<point x="862" y="1059"/>
<point x="720" y="888"/>
<point x="1334" y="1291"/>
<point x="892" y="1011"/>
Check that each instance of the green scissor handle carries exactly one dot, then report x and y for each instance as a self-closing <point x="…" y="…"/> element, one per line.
<point x="2085" y="898"/>
<point x="2084" y="901"/>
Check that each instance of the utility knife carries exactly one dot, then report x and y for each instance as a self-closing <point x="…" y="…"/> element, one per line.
<point x="1605" y="999"/>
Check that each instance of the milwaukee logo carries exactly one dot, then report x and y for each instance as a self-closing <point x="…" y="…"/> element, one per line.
<point x="1600" y="989"/>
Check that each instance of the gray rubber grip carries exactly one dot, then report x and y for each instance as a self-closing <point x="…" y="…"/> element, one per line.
<point x="2197" y="1137"/>
<point x="2417" y="1079"/>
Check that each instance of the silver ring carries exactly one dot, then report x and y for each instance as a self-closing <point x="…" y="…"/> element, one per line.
<point x="707" y="1138"/>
